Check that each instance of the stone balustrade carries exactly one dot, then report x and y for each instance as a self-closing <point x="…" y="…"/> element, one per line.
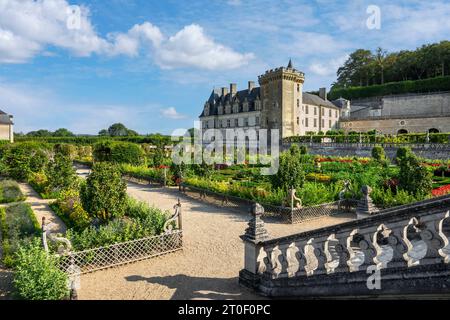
<point x="408" y="246"/>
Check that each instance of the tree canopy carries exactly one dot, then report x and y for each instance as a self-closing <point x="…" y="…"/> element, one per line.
<point x="366" y="68"/>
<point x="117" y="130"/>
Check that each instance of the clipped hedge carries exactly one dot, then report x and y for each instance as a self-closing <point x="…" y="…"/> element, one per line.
<point x="19" y="225"/>
<point x="371" y="138"/>
<point x="119" y="152"/>
<point x="154" y="139"/>
<point x="402" y="87"/>
<point x="10" y="192"/>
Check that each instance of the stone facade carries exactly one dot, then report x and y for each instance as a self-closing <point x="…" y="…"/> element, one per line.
<point x="400" y="114"/>
<point x="279" y="103"/>
<point x="6" y="127"/>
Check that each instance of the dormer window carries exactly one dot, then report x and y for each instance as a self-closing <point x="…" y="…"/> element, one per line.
<point x="227" y="108"/>
<point x="220" y="109"/>
<point x="206" y="110"/>
<point x="235" y="107"/>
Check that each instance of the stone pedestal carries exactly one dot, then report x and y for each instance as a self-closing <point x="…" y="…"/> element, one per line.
<point x="254" y="235"/>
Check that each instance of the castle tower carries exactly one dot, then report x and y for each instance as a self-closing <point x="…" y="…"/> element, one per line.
<point x="281" y="96"/>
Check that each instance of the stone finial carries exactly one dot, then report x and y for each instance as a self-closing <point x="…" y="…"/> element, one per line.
<point x="256" y="231"/>
<point x="365" y="206"/>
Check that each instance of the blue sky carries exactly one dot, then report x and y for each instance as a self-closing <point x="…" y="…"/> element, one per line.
<point x="152" y="64"/>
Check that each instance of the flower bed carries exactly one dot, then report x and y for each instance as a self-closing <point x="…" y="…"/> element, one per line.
<point x="10" y="192"/>
<point x="441" y="191"/>
<point x="19" y="225"/>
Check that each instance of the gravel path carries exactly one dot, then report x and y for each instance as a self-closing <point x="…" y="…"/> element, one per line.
<point x="209" y="264"/>
<point x="42" y="209"/>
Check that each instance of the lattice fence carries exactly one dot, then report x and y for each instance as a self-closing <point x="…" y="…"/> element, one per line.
<point x="327" y="209"/>
<point x="285" y="214"/>
<point x="121" y="253"/>
<point x="143" y="181"/>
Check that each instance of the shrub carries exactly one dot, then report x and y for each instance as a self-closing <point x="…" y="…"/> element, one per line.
<point x="22" y="159"/>
<point x="61" y="174"/>
<point x="402" y="153"/>
<point x="67" y="150"/>
<point x="69" y="208"/>
<point x="37" y="276"/>
<point x="119" y="152"/>
<point x="39" y="182"/>
<point x="10" y="192"/>
<point x="290" y="173"/>
<point x="303" y="150"/>
<point x="414" y="178"/>
<point x="18" y="225"/>
<point x="387" y="198"/>
<point x="104" y="194"/>
<point x="378" y="154"/>
<point x="142" y="222"/>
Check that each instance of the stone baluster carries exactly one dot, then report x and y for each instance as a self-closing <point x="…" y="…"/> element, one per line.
<point x="343" y="251"/>
<point x="429" y="226"/>
<point x="367" y="247"/>
<point x="318" y="245"/>
<point x="412" y="222"/>
<point x="298" y="258"/>
<point x="398" y="245"/>
<point x="442" y="252"/>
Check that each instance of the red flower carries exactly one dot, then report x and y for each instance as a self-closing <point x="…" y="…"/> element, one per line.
<point x="441" y="191"/>
<point x="163" y="167"/>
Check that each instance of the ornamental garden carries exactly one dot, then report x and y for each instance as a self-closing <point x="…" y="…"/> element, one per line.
<point x="98" y="212"/>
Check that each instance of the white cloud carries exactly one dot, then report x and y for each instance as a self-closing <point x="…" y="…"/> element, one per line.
<point x="28" y="28"/>
<point x="172" y="113"/>
<point x="189" y="47"/>
<point x="327" y="68"/>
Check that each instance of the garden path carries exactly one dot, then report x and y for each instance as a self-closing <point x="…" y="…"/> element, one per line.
<point x="209" y="264"/>
<point x="42" y="209"/>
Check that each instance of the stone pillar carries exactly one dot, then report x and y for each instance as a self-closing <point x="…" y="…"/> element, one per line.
<point x="365" y="206"/>
<point x="254" y="235"/>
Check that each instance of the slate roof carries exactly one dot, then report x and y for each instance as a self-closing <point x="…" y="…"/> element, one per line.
<point x="5" y="118"/>
<point x="309" y="98"/>
<point x="340" y="103"/>
<point x="215" y="100"/>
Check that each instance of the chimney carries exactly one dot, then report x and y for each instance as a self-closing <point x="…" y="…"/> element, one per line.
<point x="224" y="91"/>
<point x="251" y="86"/>
<point x="323" y="93"/>
<point x="233" y="89"/>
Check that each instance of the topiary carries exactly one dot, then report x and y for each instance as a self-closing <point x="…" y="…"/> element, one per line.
<point x="104" y="194"/>
<point x="290" y="173"/>
<point x="414" y="178"/>
<point x="378" y="154"/>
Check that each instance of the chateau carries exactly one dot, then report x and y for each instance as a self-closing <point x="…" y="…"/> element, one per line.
<point x="6" y="127"/>
<point x="280" y="103"/>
